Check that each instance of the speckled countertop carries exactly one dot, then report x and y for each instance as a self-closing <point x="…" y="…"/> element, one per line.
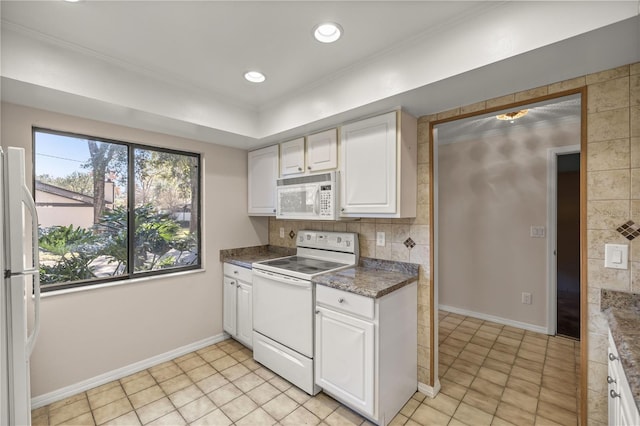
<point x="623" y="312"/>
<point x="245" y="256"/>
<point x="371" y="278"/>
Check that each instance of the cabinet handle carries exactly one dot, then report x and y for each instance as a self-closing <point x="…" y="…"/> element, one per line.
<point x="299" y="169"/>
<point x="612" y="357"/>
<point x="341" y="300"/>
<point x="342" y="209"/>
<point x="235" y="272"/>
<point x="274" y="210"/>
<point x="232" y="282"/>
<point x="238" y="285"/>
<point x="614" y="394"/>
<point x="308" y="167"/>
<point x="317" y="311"/>
<point x="610" y="380"/>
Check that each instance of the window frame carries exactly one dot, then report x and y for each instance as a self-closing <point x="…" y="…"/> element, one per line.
<point x="131" y="274"/>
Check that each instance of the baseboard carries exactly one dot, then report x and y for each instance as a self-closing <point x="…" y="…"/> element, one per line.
<point x="499" y="320"/>
<point x="67" y="391"/>
<point x="430" y="391"/>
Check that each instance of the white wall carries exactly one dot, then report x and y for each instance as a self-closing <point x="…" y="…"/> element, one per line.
<point x="491" y="189"/>
<point x="92" y="332"/>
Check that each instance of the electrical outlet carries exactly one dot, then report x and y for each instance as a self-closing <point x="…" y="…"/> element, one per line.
<point x="526" y="298"/>
<point x="281" y="232"/>
<point x="380" y="239"/>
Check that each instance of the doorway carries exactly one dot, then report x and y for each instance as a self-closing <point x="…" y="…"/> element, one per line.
<point x="568" y="245"/>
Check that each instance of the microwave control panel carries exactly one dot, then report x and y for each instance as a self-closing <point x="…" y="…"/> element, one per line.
<point x="326" y="200"/>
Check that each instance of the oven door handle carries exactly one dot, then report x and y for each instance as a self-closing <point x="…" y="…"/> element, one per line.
<point x="282" y="278"/>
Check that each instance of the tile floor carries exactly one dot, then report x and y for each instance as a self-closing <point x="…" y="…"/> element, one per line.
<point x="490" y="374"/>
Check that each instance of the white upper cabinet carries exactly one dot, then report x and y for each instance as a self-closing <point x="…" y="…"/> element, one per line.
<point x="262" y="175"/>
<point x="322" y="151"/>
<point x="379" y="167"/>
<point x="292" y="157"/>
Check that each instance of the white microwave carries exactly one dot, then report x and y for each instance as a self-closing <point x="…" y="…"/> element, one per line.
<point x="310" y="197"/>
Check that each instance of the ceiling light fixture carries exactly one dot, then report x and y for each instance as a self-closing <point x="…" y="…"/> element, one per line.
<point x="254" y="76"/>
<point x="72" y="1"/>
<point x="327" y="32"/>
<point x="512" y="116"/>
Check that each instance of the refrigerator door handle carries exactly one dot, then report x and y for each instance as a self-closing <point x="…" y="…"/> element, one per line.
<point x="35" y="271"/>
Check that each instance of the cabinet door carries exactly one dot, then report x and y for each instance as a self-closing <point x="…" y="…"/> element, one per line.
<point x="369" y="156"/>
<point x="292" y="157"/>
<point x="229" y="306"/>
<point x="322" y="151"/>
<point x="245" y="313"/>
<point x="344" y="358"/>
<point x="262" y="175"/>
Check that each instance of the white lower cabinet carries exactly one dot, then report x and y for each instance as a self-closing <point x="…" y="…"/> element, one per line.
<point x="366" y="350"/>
<point x="622" y="405"/>
<point x="237" y="309"/>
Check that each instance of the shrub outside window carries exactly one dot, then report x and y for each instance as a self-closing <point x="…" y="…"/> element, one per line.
<point x="111" y="210"/>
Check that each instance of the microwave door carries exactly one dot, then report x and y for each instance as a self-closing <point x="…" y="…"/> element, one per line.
<point x="297" y="202"/>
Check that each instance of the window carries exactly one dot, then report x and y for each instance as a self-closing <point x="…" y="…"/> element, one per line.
<point x="110" y="210"/>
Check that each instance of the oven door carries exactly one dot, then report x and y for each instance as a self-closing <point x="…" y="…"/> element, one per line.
<point x="283" y="310"/>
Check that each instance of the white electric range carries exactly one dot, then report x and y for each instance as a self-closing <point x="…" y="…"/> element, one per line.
<point x="284" y="299"/>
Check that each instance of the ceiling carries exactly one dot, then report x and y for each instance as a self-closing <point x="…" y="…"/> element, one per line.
<point x="177" y="66"/>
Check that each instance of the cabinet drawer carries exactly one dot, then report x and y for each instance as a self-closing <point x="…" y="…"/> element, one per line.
<point x="345" y="301"/>
<point x="235" y="271"/>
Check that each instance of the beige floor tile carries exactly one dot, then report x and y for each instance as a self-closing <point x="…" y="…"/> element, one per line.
<point x="191" y="363"/>
<point x="251" y="364"/>
<point x="300" y="416"/>
<point x="263" y="393"/>
<point x="471" y="357"/>
<point x="224" y="394"/>
<point x="265" y="373"/>
<point x="452" y="351"/>
<point x="523" y="386"/>
<point x="135" y="376"/>
<point x="235" y="372"/>
<point x="497" y="421"/>
<point x="456" y="422"/>
<point x="201" y="372"/>
<point x="69" y="410"/>
<point x="166" y="373"/>
<point x="524" y="374"/>
<point x="175" y="384"/>
<point x="559" y="385"/>
<point x="85" y="419"/>
<point x="281" y="406"/>
<point x="557" y="414"/>
<point x="212" y="383"/>
<point x="561" y="400"/>
<point x="129" y="419"/>
<point x="519" y="399"/>
<point x="343" y="416"/>
<point x="297" y="395"/>
<point x="459" y="377"/>
<point x="410" y="407"/>
<point x="321" y="405"/>
<point x="248" y="382"/>
<point x="493" y="376"/>
<point x="224" y="363"/>
<point x="443" y="403"/>
<point x="541" y="421"/>
<point x="514" y="414"/>
<point x="485" y="334"/>
<point x="196" y="409"/>
<point x="533" y="347"/>
<point x="97" y="400"/>
<point x="155" y="410"/>
<point x="213" y="354"/>
<point x="456" y="343"/>
<point x="482" y="341"/>
<point x="185" y="396"/>
<point x="419" y="396"/>
<point x="215" y="418"/>
<point x="477" y="349"/>
<point x="503" y="347"/>
<point x="496" y="365"/>
<point x="529" y="365"/>
<point x="185" y="357"/>
<point x="501" y="356"/>
<point x="171" y="419"/>
<point x="398" y="420"/>
<point x="531" y="356"/>
<point x="146" y="396"/>
<point x="466" y="366"/>
<point x="138" y="384"/>
<point x="472" y="415"/>
<point x="241" y="355"/>
<point x="239" y="407"/>
<point x="452" y="389"/>
<point x="95" y="390"/>
<point x="41" y="420"/>
<point x="426" y="415"/>
<point x="257" y="417"/>
<point x="488" y="388"/>
<point x="280" y="383"/>
<point x="112" y="411"/>
<point x="481" y="401"/>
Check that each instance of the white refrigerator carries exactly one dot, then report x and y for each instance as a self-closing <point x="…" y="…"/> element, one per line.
<point x="20" y="290"/>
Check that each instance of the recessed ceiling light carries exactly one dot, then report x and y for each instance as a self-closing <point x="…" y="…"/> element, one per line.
<point x="255" y="76"/>
<point x="72" y="1"/>
<point x="327" y="32"/>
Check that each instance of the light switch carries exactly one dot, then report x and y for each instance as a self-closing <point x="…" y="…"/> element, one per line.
<point x="616" y="256"/>
<point x="380" y="238"/>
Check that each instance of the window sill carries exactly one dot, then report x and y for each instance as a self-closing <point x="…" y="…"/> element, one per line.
<point x="53" y="293"/>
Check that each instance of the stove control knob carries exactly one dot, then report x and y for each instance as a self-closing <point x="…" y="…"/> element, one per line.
<point x="339" y="239"/>
<point x="341" y="300"/>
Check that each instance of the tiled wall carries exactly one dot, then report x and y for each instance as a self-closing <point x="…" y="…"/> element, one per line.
<point x="613" y="197"/>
